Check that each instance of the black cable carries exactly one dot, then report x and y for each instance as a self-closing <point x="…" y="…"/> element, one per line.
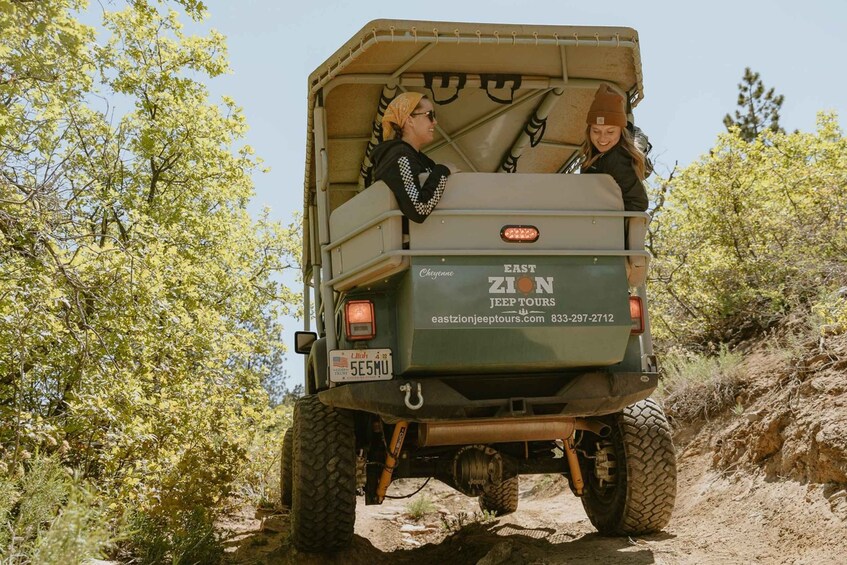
<point x="410" y="495"/>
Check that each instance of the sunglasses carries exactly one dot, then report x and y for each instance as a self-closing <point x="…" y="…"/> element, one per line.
<point x="430" y="114"/>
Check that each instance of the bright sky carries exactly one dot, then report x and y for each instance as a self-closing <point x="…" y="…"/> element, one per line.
<point x="693" y="55"/>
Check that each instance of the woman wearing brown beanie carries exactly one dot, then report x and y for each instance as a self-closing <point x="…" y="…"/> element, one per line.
<point x="609" y="149"/>
<point x="407" y="125"/>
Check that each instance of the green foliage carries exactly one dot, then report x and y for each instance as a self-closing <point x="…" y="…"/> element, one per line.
<point x="190" y="539"/>
<point x="47" y="516"/>
<point x="758" y="110"/>
<point x="455" y="523"/>
<point x="258" y="481"/>
<point x="696" y="386"/>
<point x="139" y="302"/>
<point x="419" y="507"/>
<point x="829" y="312"/>
<point x="750" y="232"/>
<point x="81" y="531"/>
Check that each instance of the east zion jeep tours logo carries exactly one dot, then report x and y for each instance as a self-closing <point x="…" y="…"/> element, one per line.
<point x="521" y="288"/>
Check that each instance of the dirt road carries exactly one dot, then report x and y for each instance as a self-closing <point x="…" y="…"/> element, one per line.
<point x="765" y="485"/>
<point x="717" y="520"/>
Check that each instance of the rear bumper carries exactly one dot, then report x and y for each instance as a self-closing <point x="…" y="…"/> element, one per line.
<point x="471" y="397"/>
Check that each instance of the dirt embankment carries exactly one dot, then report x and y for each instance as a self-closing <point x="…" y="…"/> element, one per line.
<point x="766" y="484"/>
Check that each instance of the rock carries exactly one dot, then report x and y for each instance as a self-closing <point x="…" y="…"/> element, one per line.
<point x="274" y="524"/>
<point x="753" y="416"/>
<point x="831" y="329"/>
<point x="819" y="360"/>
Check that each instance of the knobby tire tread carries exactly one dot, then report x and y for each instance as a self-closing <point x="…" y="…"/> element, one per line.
<point x="647" y="487"/>
<point x="285" y="469"/>
<point x="323" y="506"/>
<point x="502" y="499"/>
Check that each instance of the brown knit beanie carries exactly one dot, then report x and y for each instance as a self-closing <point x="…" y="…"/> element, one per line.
<point x="607" y="108"/>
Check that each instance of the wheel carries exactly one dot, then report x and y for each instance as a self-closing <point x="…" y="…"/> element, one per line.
<point x="630" y="477"/>
<point x="285" y="468"/>
<point x="502" y="499"/>
<point x="323" y="499"/>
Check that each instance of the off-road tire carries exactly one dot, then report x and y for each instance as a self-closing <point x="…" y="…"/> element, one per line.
<point x="285" y="478"/>
<point x="502" y="499"/>
<point x="641" y="499"/>
<point x="323" y="502"/>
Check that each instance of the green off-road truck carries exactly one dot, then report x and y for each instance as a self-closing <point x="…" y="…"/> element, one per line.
<point x="507" y="334"/>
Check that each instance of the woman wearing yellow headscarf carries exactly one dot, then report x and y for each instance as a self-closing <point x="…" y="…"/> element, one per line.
<point x="407" y="125"/>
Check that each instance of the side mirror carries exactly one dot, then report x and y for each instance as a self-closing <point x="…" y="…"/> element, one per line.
<point x="303" y="341"/>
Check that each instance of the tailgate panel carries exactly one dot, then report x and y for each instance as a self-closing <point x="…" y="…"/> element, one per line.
<point x="492" y="314"/>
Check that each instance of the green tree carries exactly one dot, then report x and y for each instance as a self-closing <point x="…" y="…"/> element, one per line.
<point x="758" y="109"/>
<point x="751" y="232"/>
<point x="44" y="71"/>
<point x="139" y="301"/>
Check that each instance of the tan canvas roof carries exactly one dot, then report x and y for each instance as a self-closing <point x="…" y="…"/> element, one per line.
<point x="535" y="127"/>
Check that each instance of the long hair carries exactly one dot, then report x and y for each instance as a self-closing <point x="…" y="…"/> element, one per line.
<point x="590" y="154"/>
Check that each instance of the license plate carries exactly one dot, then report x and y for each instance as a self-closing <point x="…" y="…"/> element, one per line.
<point x="350" y="365"/>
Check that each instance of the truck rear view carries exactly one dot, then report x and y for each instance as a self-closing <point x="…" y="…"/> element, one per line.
<point x="505" y="335"/>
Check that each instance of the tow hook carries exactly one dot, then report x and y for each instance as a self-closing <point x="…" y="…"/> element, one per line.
<point x="407" y="388"/>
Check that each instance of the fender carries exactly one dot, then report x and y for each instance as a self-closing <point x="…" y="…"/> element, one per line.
<point x="317" y="376"/>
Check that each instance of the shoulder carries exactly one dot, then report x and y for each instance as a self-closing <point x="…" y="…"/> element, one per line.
<point x="393" y="148"/>
<point x="614" y="160"/>
<point x="618" y="155"/>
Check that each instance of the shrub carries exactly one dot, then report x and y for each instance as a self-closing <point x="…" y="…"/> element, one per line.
<point x="750" y="233"/>
<point x="419" y="507"/>
<point x="48" y="516"/>
<point x="184" y="537"/>
<point x="829" y="312"/>
<point x="696" y="386"/>
<point x="258" y="482"/>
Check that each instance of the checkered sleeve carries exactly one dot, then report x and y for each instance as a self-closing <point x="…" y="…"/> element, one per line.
<point x="422" y="198"/>
<point x="401" y="168"/>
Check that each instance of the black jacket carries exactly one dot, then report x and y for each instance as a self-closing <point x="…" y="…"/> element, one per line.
<point x="398" y="164"/>
<point x="617" y="162"/>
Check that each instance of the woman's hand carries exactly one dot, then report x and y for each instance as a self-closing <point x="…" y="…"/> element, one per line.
<point x="453" y="167"/>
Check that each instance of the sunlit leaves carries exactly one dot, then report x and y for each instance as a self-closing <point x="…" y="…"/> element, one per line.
<point x="139" y="301"/>
<point x="751" y="231"/>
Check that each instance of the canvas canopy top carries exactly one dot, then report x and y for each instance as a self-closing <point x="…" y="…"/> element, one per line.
<point x="509" y="98"/>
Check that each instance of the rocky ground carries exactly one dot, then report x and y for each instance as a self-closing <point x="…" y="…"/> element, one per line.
<point x="764" y="483"/>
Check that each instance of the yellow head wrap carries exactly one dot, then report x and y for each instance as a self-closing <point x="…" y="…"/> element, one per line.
<point x="398" y="112"/>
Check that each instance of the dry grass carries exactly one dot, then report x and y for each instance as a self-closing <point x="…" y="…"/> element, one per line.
<point x="699" y="387"/>
<point x="419" y="507"/>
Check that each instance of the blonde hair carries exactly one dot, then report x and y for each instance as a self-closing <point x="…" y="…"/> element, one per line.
<point x="590" y="154"/>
